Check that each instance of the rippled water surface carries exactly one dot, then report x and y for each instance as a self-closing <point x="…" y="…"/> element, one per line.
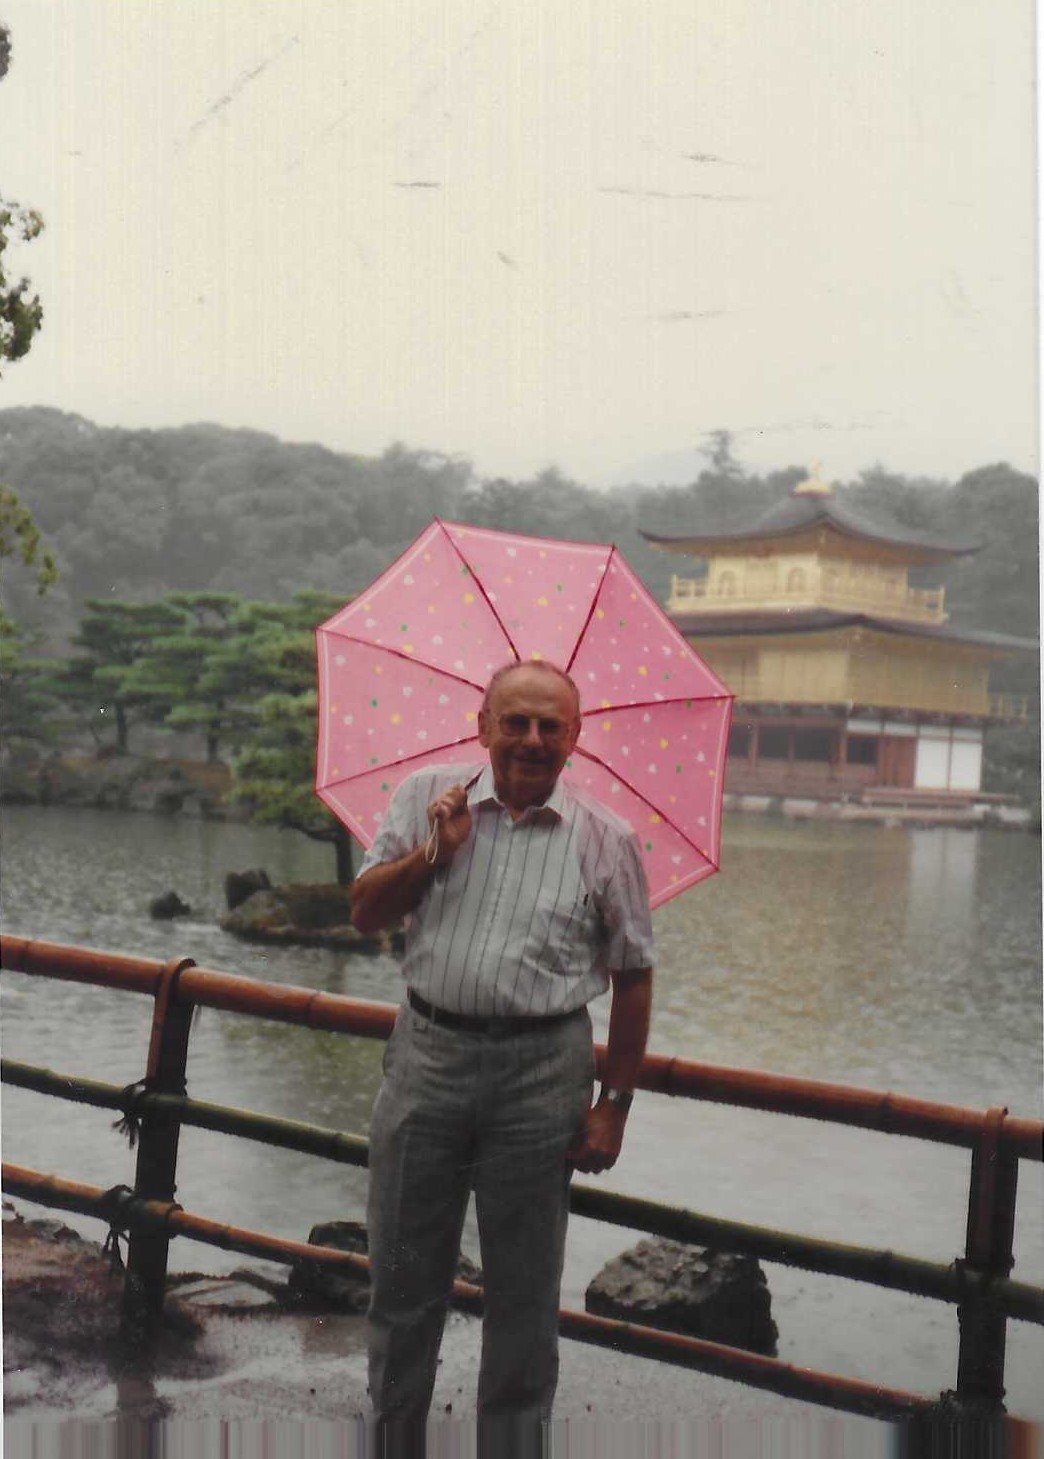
<point x="888" y="958"/>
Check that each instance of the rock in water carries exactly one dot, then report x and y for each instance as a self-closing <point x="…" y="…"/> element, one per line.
<point x="688" y="1289"/>
<point x="302" y="914"/>
<point x="242" y="884"/>
<point x="168" y="906"/>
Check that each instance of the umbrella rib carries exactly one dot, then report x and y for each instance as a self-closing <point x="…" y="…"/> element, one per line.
<point x="646" y="801"/>
<point x="482" y="589"/>
<point x="425" y="754"/>
<point x="398" y="653"/>
<point x="591" y="608"/>
<point x="658" y="703"/>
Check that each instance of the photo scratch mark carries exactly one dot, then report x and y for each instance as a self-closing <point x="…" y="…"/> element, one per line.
<point x="678" y="316"/>
<point x="245" y="79"/>
<point x="638" y="192"/>
<point x="710" y="157"/>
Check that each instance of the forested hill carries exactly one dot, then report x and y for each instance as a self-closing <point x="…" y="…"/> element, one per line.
<point x="135" y="514"/>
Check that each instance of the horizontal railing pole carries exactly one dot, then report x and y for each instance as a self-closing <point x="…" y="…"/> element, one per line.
<point x="284" y="1003"/>
<point x="875" y="1267"/>
<point x="749" y="1088"/>
<point x="89" y="1200"/>
<point x="218" y="1118"/>
<point x="79" y="965"/>
<point x="676" y="1348"/>
<point x="61" y="1086"/>
<point x="279" y="1002"/>
<point x="807" y="1384"/>
<point x="870" y="1109"/>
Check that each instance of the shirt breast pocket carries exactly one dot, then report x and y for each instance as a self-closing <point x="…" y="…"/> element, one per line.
<point x="567" y="925"/>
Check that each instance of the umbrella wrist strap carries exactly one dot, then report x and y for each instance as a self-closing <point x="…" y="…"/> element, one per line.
<point x="431" y="845"/>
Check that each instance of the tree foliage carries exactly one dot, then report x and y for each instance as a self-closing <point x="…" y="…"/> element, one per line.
<point x="105" y="682"/>
<point x="273" y="661"/>
<point x="21" y="312"/>
<point x="239" y="674"/>
<point x="20" y="537"/>
<point x="30" y="705"/>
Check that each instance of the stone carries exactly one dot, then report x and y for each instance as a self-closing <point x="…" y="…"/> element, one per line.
<point x="239" y="885"/>
<point x="168" y="906"/>
<point x="324" y="1289"/>
<point x="688" y="1289"/>
<point x="304" y="915"/>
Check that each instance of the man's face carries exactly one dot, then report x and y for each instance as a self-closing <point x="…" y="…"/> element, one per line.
<point x="528" y="758"/>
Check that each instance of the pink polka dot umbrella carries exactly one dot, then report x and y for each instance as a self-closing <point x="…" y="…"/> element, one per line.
<point x="403" y="667"/>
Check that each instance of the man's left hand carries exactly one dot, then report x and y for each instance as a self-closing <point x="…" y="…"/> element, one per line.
<point x="597" y="1143"/>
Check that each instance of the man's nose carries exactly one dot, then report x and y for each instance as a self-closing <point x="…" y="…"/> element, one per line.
<point x="532" y="734"/>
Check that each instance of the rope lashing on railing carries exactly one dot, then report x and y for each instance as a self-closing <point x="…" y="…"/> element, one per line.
<point x="122" y="1210"/>
<point x="129" y="1123"/>
<point x="114" y="1208"/>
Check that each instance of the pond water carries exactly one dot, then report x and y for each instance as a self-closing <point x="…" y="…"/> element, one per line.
<point x="890" y="958"/>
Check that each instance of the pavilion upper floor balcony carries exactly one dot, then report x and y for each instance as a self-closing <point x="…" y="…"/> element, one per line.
<point x="725" y="592"/>
<point x="751" y="687"/>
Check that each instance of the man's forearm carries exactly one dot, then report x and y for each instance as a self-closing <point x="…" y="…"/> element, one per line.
<point x="382" y="896"/>
<point x="628" y="1027"/>
<point x="598" y="1141"/>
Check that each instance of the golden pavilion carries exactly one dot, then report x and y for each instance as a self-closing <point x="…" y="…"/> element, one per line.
<point x="850" y="683"/>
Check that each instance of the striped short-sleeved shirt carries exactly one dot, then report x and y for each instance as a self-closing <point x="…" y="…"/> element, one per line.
<point x="530" y="916"/>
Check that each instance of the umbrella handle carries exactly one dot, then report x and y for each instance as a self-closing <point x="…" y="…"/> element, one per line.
<point x="431" y="845"/>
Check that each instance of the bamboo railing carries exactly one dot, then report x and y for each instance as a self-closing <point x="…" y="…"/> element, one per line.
<point x="978" y="1283"/>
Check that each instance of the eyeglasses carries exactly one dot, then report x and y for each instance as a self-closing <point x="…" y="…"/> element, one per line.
<point x="516" y="727"/>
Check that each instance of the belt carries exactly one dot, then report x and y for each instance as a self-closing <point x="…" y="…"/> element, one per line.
<point x="495" y="1024"/>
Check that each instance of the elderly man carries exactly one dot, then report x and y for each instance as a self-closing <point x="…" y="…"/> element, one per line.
<point x="522" y="899"/>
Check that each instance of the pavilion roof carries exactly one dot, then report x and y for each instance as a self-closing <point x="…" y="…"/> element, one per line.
<point x="822" y="620"/>
<point x="805" y="513"/>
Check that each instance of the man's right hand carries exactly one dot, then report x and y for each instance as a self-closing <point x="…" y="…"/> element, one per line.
<point x="450" y="822"/>
<point x="382" y="896"/>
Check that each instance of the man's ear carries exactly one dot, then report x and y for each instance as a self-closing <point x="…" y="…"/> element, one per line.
<point x="483" y="729"/>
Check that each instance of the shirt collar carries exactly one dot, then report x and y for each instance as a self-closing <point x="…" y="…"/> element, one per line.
<point x="484" y="791"/>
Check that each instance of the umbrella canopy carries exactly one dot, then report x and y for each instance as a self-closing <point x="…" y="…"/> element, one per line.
<point x="403" y="668"/>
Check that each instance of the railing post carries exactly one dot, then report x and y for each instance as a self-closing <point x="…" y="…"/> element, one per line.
<point x="155" y="1176"/>
<point x="988" y="1255"/>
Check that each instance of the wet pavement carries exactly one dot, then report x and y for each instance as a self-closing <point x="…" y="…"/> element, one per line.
<point x="233" y="1358"/>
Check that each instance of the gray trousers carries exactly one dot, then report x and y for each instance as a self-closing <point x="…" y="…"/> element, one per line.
<point x="456" y="1112"/>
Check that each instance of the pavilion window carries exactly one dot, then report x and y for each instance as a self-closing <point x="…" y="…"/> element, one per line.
<point x="739" y="742"/>
<point x="774" y="742"/>
<point x="861" y="750"/>
<point x="814" y="744"/>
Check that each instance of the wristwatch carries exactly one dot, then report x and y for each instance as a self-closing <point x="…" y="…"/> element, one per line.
<point x="621" y="1098"/>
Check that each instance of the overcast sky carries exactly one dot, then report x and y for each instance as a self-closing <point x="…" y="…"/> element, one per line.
<point x="580" y="232"/>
